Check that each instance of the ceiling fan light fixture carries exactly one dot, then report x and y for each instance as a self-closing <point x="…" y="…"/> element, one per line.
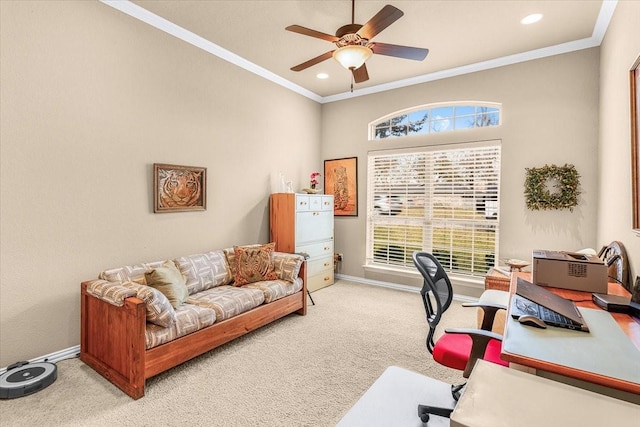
<point x="352" y="56"/>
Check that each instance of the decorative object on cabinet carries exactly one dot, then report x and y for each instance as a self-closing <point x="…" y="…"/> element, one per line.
<point x="314" y="180"/>
<point x="565" y="179"/>
<point x="341" y="180"/>
<point x="303" y="224"/>
<point x="179" y="188"/>
<point x="313" y="184"/>
<point x="634" y="82"/>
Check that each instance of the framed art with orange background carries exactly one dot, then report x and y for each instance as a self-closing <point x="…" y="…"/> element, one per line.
<point x="341" y="180"/>
<point x="634" y="84"/>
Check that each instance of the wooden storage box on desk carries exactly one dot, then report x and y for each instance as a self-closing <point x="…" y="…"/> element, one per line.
<point x="303" y="223"/>
<point x="496" y="280"/>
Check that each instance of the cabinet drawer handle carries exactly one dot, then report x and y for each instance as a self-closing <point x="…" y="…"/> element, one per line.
<point x="315" y="213"/>
<point x="326" y="248"/>
<point x="327" y="278"/>
<point x="327" y="264"/>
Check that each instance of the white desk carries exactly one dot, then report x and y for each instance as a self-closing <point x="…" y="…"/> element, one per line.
<point x="496" y="396"/>
<point x="392" y="401"/>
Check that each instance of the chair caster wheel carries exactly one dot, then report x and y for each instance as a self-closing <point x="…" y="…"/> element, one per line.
<point x="423" y="413"/>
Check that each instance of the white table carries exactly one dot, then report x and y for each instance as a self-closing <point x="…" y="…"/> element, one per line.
<point x="392" y="401"/>
<point x="500" y="396"/>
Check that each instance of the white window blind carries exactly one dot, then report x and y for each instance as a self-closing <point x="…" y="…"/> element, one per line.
<point x="443" y="201"/>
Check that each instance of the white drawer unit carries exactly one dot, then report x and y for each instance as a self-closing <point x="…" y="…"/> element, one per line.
<point x="303" y="223"/>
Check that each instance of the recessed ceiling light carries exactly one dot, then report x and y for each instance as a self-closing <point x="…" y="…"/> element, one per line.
<point x="531" y="19"/>
<point x="322" y="76"/>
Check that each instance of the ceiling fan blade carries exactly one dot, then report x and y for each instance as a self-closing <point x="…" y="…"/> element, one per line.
<point x="312" y="33"/>
<point x="387" y="16"/>
<point x="313" y="61"/>
<point x="407" y="52"/>
<point x="360" y="74"/>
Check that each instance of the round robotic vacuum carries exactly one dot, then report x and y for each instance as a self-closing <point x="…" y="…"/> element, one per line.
<point x="24" y="378"/>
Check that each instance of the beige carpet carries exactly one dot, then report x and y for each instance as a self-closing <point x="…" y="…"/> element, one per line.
<point x="299" y="371"/>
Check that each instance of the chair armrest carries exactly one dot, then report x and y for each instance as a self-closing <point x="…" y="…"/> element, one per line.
<point x="489" y="312"/>
<point x="480" y="339"/>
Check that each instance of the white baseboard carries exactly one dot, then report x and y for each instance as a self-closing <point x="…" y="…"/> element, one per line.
<point x="457" y="297"/>
<point x="54" y="357"/>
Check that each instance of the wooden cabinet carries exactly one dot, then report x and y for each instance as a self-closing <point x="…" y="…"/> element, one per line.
<point x="303" y="223"/>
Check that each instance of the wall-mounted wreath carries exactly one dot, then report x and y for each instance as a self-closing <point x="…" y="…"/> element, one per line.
<point x="565" y="179"/>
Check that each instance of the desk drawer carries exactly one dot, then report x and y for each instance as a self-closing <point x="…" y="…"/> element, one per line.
<point x="319" y="281"/>
<point x="327" y="203"/>
<point x="302" y="202"/>
<point x="316" y="250"/>
<point x="319" y="266"/>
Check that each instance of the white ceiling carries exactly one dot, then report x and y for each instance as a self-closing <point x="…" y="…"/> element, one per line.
<point x="461" y="35"/>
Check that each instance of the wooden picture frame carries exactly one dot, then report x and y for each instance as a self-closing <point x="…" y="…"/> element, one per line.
<point x="634" y="84"/>
<point x="341" y="180"/>
<point x="179" y="188"/>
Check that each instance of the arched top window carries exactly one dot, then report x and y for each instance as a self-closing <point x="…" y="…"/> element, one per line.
<point x="436" y="118"/>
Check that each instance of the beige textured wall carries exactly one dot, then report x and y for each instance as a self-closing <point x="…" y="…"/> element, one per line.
<point x="90" y="99"/>
<point x="550" y="116"/>
<point x="619" y="50"/>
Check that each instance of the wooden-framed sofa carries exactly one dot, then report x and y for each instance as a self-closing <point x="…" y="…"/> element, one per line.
<point x="121" y="344"/>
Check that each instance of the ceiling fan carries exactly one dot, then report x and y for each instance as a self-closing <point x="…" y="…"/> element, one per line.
<point x="354" y="45"/>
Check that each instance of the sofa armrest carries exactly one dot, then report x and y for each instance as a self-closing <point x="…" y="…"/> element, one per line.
<point x="286" y="265"/>
<point x="112" y="292"/>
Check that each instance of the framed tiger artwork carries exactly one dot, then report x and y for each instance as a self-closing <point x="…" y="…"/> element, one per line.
<point x="179" y="188"/>
<point x="341" y="180"/>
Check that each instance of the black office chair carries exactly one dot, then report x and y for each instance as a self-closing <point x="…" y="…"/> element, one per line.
<point x="456" y="348"/>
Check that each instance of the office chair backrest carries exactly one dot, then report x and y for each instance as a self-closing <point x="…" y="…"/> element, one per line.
<point x="436" y="291"/>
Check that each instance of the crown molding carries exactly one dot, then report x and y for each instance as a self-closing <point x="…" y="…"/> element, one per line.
<point x="142" y="14"/>
<point x="600" y="28"/>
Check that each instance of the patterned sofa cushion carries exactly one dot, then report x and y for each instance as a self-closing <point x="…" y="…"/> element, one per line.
<point x="287" y="266"/>
<point x="130" y="273"/>
<point x="170" y="281"/>
<point x="228" y="301"/>
<point x="189" y="318"/>
<point x="159" y="309"/>
<point x="230" y="256"/>
<point x="253" y="264"/>
<point x="204" y="271"/>
<point x="276" y="289"/>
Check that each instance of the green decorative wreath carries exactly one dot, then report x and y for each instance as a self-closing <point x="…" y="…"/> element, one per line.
<point x="537" y="193"/>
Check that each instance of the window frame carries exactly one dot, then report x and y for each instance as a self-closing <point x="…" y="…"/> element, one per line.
<point x="373" y="125"/>
<point x="427" y="220"/>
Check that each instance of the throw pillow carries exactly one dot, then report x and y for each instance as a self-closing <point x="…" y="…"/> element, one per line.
<point x="159" y="310"/>
<point x="253" y="264"/>
<point x="168" y="280"/>
<point x="287" y="266"/>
